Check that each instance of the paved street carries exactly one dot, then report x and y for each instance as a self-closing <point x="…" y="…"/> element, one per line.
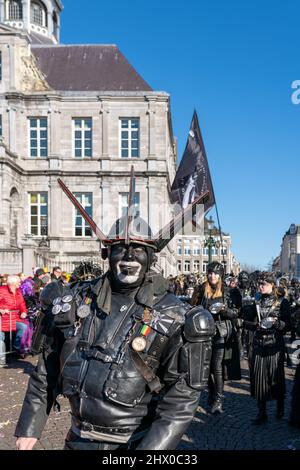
<point x="232" y="430"/>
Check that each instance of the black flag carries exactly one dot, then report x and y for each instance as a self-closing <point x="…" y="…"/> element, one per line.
<point x="192" y="178"/>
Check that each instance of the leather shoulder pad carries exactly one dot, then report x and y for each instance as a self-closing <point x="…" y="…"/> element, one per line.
<point x="199" y="324"/>
<point x="173" y="307"/>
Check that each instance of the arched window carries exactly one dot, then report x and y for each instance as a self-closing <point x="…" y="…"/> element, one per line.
<point x="55" y="25"/>
<point x="38" y="13"/>
<point x="15" y="10"/>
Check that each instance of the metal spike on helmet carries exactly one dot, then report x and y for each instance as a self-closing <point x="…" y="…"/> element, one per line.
<point x="131" y="229"/>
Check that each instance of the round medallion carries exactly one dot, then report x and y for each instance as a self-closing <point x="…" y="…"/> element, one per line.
<point x="56" y="309"/>
<point x="67" y="298"/>
<point x="139" y="343"/>
<point x="56" y="301"/>
<point x="83" y="311"/>
<point x="66" y="307"/>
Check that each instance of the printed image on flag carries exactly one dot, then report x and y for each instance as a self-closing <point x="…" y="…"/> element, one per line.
<point x="193" y="176"/>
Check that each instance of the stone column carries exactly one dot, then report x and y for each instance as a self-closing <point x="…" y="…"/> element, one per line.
<point x="2" y="11"/>
<point x="28" y="251"/>
<point x="49" y="23"/>
<point x="105" y="215"/>
<point x="152" y="131"/>
<point x="55" y="205"/>
<point x="58" y="28"/>
<point x="26" y="14"/>
<point x="12" y="128"/>
<point x="54" y="131"/>
<point x="104" y="112"/>
<point x="12" y="65"/>
<point x="153" y="215"/>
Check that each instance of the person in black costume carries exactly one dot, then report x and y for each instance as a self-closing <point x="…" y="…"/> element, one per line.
<point x="131" y="358"/>
<point x="225" y="362"/>
<point x="295" y="404"/>
<point x="270" y="319"/>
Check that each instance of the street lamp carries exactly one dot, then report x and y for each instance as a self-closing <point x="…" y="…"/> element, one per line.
<point x="210" y="242"/>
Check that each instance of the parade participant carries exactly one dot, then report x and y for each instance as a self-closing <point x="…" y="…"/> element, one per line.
<point x="13" y="311"/>
<point x="294" y="299"/>
<point x="225" y="354"/>
<point x="131" y="358"/>
<point x="32" y="302"/>
<point x="248" y="300"/>
<point x="236" y="300"/>
<point x="295" y="403"/>
<point x="270" y="319"/>
<point x="56" y="273"/>
<point x="86" y="271"/>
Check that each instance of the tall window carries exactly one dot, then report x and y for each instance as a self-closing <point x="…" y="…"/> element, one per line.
<point x="38" y="213"/>
<point x="1" y="125"/>
<point x="205" y="251"/>
<point x="82" y="229"/>
<point x="196" y="251"/>
<point x="224" y="251"/>
<point x="130" y="137"/>
<point x="38" y="138"/>
<point x="179" y="266"/>
<point x="38" y="13"/>
<point x="196" y="265"/>
<point x="204" y="266"/>
<point x="82" y="131"/>
<point x="123" y="204"/>
<point x="187" y="265"/>
<point x="224" y="266"/>
<point x="214" y="251"/>
<point x="179" y="249"/>
<point x="15" y="10"/>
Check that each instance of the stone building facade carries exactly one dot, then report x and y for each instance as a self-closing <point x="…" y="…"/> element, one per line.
<point x="193" y="256"/>
<point x="288" y="262"/>
<point x="83" y="114"/>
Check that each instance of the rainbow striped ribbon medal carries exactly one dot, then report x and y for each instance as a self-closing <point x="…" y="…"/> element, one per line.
<point x="139" y="343"/>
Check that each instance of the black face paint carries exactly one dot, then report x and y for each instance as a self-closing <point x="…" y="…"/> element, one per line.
<point x="128" y="263"/>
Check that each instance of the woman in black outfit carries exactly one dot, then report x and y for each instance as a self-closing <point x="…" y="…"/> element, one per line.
<point x="213" y="297"/>
<point x="270" y="320"/>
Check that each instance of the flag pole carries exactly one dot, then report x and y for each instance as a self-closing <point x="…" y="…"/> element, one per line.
<point x="220" y="231"/>
<point x="219" y="225"/>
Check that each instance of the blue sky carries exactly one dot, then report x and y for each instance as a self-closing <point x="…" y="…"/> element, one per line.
<point x="234" y="61"/>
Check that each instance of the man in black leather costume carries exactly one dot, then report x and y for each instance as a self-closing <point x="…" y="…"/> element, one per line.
<point x="131" y="358"/>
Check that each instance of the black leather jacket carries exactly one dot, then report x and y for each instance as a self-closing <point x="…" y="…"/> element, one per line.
<point x="110" y="385"/>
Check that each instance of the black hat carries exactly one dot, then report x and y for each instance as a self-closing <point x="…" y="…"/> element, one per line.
<point x="243" y="275"/>
<point x="267" y="277"/>
<point x="216" y="267"/>
<point x="39" y="272"/>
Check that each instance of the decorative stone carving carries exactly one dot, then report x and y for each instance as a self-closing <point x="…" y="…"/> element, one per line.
<point x="32" y="78"/>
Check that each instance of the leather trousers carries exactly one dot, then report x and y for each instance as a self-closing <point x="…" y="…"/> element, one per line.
<point x="215" y="382"/>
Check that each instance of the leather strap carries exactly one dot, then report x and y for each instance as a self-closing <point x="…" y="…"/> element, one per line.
<point x="152" y="380"/>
